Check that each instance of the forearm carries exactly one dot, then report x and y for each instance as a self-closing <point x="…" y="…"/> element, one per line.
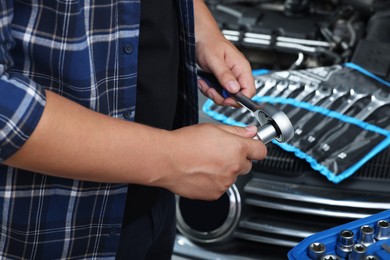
<point x="74" y="142"/>
<point x="214" y="53"/>
<point x="205" y="24"/>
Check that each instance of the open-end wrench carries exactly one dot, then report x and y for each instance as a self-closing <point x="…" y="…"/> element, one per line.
<point x="292" y="87"/>
<point x="307" y="91"/>
<point x="354" y="96"/>
<point x="274" y="124"/>
<point x="279" y="88"/>
<point x="319" y="95"/>
<point x="269" y="84"/>
<point x="354" y="151"/>
<point x="324" y="128"/>
<point x="378" y="99"/>
<point x="309" y="120"/>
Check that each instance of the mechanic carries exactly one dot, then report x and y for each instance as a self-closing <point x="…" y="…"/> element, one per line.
<point x="98" y="95"/>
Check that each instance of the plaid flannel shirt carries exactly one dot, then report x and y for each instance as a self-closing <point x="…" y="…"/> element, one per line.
<point x="86" y="51"/>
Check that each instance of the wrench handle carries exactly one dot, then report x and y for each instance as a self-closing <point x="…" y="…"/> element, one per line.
<point x="213" y="82"/>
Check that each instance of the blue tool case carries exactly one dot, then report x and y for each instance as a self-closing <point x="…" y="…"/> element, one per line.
<point x="367" y="238"/>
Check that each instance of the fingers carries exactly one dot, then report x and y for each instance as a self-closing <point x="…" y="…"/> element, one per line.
<point x="248" y="131"/>
<point x="255" y="149"/>
<point x="237" y="78"/>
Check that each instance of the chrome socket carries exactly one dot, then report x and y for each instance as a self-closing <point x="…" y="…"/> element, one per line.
<point x="345" y="243"/>
<point x="358" y="252"/>
<point x="366" y="235"/>
<point x="317" y="250"/>
<point x="330" y="257"/>
<point x="382" y="230"/>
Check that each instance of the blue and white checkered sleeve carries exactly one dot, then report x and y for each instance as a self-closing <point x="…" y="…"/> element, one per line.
<point x="21" y="100"/>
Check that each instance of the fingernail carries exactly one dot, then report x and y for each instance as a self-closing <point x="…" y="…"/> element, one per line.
<point x="233" y="86"/>
<point x="200" y="85"/>
<point x="210" y="95"/>
<point x="251" y="128"/>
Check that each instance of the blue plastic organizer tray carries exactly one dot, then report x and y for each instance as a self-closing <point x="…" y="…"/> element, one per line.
<point x="379" y="249"/>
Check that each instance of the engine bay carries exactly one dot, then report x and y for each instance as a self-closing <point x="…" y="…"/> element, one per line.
<point x="299" y="34"/>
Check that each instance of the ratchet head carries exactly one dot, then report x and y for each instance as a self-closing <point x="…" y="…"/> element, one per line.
<point x="274" y="124"/>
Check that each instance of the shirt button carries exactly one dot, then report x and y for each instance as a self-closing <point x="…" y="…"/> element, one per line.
<point x="128" y="115"/>
<point x="128" y="48"/>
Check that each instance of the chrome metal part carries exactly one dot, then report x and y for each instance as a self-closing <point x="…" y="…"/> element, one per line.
<point x="266" y="115"/>
<point x="336" y="94"/>
<point x="292" y="87"/>
<point x="354" y="96"/>
<point x="281" y="86"/>
<point x="371" y="257"/>
<point x="378" y="99"/>
<point x="358" y="252"/>
<point x="308" y="89"/>
<point x="231" y="205"/>
<point x="330" y="257"/>
<point x="382" y="230"/>
<point x="366" y="235"/>
<point x="345" y="243"/>
<point x="316" y="250"/>
<point x="267" y="86"/>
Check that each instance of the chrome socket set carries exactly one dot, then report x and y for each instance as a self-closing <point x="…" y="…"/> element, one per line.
<point x="363" y="239"/>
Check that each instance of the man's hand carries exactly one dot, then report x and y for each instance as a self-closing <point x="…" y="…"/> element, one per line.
<point x="217" y="55"/>
<point x="207" y="159"/>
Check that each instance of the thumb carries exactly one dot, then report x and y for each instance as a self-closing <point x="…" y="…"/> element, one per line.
<point x="248" y="131"/>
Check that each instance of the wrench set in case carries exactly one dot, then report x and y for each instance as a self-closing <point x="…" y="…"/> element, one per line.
<point x="363" y="239"/>
<point x="340" y="115"/>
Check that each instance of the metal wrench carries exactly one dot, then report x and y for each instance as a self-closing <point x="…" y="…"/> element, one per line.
<point x="324" y="129"/>
<point x="309" y="120"/>
<point x="279" y="88"/>
<point x="274" y="124"/>
<point x="308" y="89"/>
<point x="378" y="99"/>
<point x="268" y="85"/>
<point x="319" y="95"/>
<point x="246" y="117"/>
<point x="292" y="87"/>
<point x="242" y="115"/>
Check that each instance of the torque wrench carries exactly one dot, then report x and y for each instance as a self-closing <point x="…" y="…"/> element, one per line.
<point x="274" y="124"/>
